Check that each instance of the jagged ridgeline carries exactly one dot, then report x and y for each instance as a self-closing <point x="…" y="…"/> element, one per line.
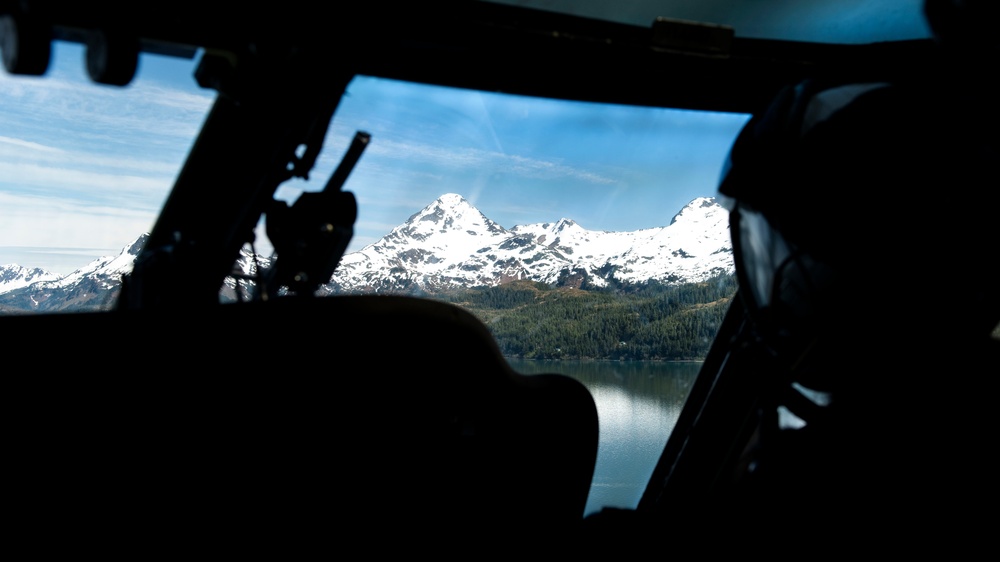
<point x="547" y="291"/>
<point x="451" y="244"/>
<point x="647" y="321"/>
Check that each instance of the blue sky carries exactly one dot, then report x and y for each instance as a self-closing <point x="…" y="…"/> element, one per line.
<point x="84" y="167"/>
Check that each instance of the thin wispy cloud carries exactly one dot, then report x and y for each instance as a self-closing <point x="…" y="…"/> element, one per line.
<point x="146" y="110"/>
<point x="74" y="182"/>
<point x="65" y="222"/>
<point x="27" y="152"/>
<point x="481" y="161"/>
<point x="23" y="144"/>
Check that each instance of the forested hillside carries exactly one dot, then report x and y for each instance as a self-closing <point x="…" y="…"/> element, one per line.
<point x="651" y="321"/>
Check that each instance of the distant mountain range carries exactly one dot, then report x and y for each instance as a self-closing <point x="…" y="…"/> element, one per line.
<point x="449" y="244"/>
<point x="92" y="287"/>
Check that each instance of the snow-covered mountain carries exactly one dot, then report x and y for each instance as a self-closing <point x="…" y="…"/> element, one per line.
<point x="451" y="244"/>
<point x="96" y="285"/>
<point x="448" y="244"/>
<point x="13" y="276"/>
<point x="91" y="287"/>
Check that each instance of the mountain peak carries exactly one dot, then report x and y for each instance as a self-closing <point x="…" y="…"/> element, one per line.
<point x="564" y="224"/>
<point x="697" y="207"/>
<point x="451" y="212"/>
<point x="445" y="205"/>
<point x="136" y="245"/>
<point x="451" y="199"/>
<point x="450" y="220"/>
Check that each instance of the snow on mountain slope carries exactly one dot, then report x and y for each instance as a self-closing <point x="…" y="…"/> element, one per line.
<point x="446" y="245"/>
<point x="450" y="243"/>
<point x="13" y="277"/>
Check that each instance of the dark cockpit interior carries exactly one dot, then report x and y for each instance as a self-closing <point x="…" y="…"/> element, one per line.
<point x="252" y="426"/>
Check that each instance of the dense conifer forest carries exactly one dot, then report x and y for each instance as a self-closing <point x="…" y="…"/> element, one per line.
<point x="652" y="321"/>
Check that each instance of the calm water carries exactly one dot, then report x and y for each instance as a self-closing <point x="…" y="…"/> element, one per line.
<point x="638" y="403"/>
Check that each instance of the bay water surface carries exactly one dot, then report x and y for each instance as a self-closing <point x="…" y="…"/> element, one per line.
<point x="638" y="403"/>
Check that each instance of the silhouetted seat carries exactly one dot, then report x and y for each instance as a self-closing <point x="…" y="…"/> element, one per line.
<point x="296" y="417"/>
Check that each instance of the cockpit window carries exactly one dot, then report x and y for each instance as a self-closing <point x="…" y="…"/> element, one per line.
<point x="520" y="160"/>
<point x="85" y="168"/>
<point x="586" y="236"/>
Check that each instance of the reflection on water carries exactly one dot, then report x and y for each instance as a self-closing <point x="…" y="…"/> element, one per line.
<point x="638" y="403"/>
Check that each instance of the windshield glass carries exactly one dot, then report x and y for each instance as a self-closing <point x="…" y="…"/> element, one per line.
<point x="85" y="168"/>
<point x="586" y="236"/>
<point x="520" y="160"/>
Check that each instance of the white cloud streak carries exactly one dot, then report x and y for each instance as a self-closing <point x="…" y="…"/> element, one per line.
<point x="483" y="161"/>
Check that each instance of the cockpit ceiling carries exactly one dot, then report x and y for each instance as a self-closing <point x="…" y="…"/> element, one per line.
<point x="822" y="21"/>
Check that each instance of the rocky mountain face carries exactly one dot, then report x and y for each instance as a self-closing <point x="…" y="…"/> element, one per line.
<point x="451" y="244"/>
<point x="448" y="244"/>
